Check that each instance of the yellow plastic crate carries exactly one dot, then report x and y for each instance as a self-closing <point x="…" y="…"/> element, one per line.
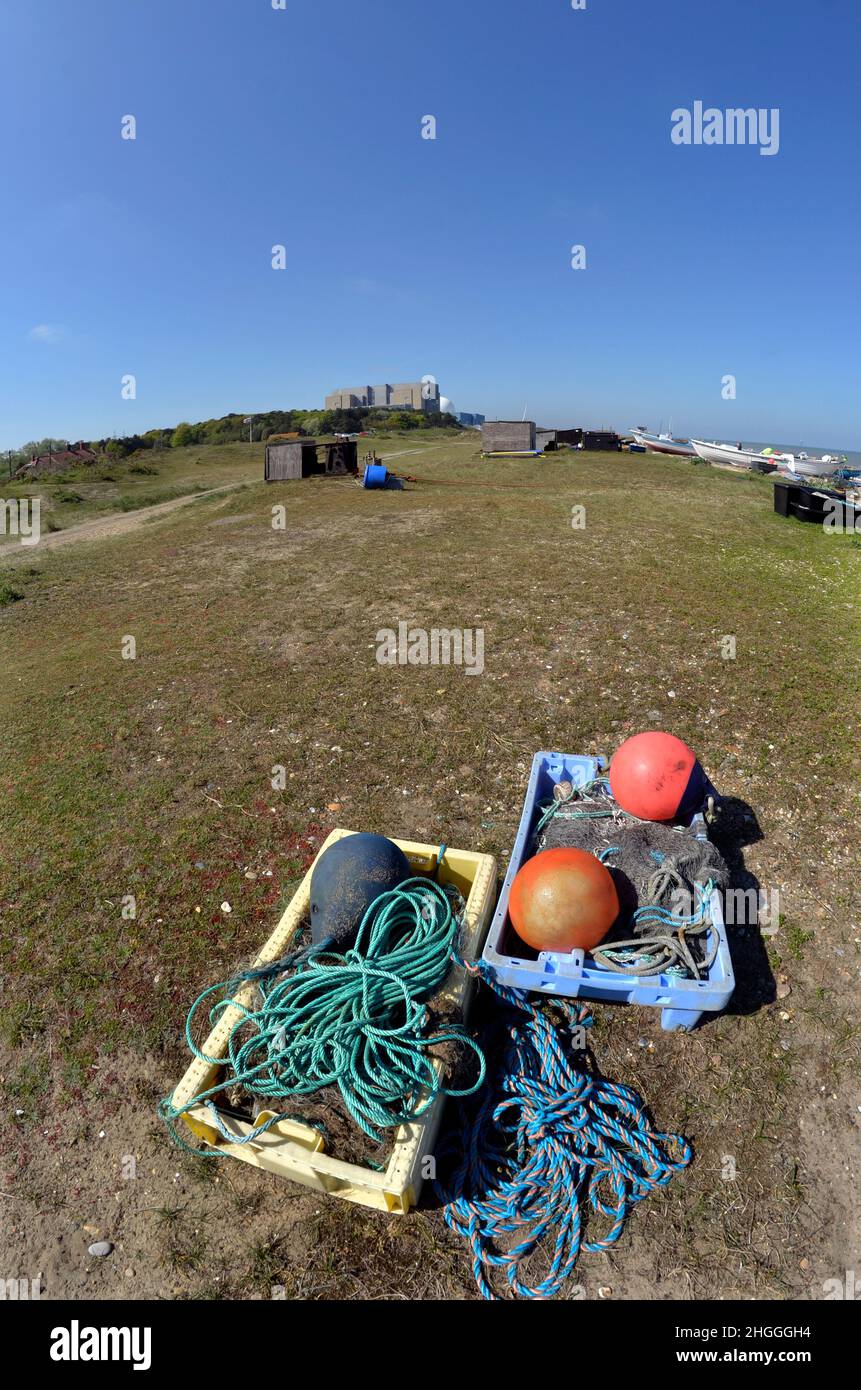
<point x="296" y="1151"/>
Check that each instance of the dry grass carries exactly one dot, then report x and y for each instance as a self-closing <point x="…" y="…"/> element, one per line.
<point x="145" y="479"/>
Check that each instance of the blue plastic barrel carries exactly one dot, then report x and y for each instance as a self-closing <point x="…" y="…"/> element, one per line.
<point x="376" y="475"/>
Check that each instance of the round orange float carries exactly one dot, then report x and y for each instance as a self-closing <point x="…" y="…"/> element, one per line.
<point x="563" y="900"/>
<point x="656" y="776"/>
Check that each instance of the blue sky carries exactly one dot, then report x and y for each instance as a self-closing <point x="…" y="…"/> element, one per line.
<point x="408" y="256"/>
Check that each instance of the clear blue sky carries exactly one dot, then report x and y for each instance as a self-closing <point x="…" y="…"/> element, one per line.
<point x="408" y="256"/>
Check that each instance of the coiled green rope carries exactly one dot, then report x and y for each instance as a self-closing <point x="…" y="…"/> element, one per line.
<point x="355" y="1020"/>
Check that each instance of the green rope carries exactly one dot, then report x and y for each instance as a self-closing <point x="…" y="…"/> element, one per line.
<point x="562" y="806"/>
<point x="357" y="1021"/>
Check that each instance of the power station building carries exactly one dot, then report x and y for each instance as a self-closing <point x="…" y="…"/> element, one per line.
<point x="409" y="395"/>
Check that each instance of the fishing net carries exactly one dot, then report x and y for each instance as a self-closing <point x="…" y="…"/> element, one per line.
<point x="664" y="877"/>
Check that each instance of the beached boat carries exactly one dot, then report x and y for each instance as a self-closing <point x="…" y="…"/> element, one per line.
<point x="803" y="466"/>
<point x="664" y="444"/>
<point x="733" y="456"/>
<point x="767" y="460"/>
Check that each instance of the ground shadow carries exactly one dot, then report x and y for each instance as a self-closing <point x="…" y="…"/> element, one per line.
<point x="734" y="829"/>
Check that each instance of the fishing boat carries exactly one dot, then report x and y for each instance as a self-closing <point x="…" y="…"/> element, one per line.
<point x="734" y="456"/>
<point x="663" y="443"/>
<point x="803" y="466"/>
<point x="799" y="465"/>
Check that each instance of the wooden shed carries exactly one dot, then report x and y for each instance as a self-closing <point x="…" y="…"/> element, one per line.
<point x="289" y="460"/>
<point x="601" y="439"/>
<point x="340" y="458"/>
<point x="507" y="436"/>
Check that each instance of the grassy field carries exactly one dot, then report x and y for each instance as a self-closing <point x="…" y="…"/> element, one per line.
<point x="149" y="478"/>
<point x="256" y="647"/>
<point x="142" y="480"/>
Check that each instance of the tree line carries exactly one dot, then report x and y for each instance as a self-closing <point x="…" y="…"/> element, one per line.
<point x="233" y="427"/>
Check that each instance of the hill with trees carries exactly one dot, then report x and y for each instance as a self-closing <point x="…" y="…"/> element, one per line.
<point x="232" y="428"/>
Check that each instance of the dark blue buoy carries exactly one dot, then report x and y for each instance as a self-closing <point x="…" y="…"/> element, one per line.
<point x="347" y="878"/>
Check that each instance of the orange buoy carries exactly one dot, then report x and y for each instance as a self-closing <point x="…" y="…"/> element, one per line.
<point x="657" y="777"/>
<point x="563" y="900"/>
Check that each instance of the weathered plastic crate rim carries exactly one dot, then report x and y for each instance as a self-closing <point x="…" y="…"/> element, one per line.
<point x="681" y="1000"/>
<point x="295" y="1150"/>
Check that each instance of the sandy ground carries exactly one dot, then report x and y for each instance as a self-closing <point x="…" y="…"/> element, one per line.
<point x="105" y="527"/>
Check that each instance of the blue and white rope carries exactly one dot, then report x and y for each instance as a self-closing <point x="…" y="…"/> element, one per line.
<point x="545" y="1143"/>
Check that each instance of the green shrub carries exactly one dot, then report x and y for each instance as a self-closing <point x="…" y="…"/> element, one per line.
<point x="8" y="594"/>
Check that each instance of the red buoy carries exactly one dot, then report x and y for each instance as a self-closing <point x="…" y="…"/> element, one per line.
<point x="563" y="900"/>
<point x="657" y="777"/>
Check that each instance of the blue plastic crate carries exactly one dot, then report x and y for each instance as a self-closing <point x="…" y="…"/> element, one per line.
<point x="682" y="1002"/>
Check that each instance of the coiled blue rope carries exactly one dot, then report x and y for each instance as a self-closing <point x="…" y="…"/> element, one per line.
<point x="545" y="1141"/>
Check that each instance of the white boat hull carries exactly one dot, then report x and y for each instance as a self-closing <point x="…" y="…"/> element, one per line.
<point x="677" y="447"/>
<point x="728" y="456"/>
<point x="809" y="468"/>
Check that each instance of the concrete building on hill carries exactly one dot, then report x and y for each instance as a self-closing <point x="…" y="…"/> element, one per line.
<point x="409" y="395"/>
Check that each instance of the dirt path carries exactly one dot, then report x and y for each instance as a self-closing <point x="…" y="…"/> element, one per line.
<point x="117" y="524"/>
<point x="401" y="453"/>
<point x="103" y="527"/>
